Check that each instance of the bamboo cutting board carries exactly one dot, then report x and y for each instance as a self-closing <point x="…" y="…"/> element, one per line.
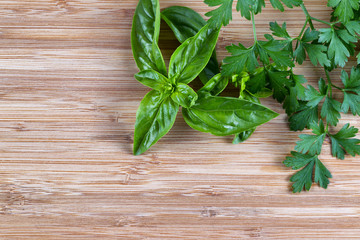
<point x="68" y="101"/>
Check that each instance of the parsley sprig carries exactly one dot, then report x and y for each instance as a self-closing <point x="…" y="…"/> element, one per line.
<point x="268" y="66"/>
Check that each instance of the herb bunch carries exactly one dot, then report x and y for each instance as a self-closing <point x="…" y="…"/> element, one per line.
<point x="310" y="107"/>
<point x="262" y="70"/>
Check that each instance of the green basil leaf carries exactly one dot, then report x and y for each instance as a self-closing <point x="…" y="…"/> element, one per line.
<point x="184" y="95"/>
<point x="153" y="79"/>
<point x="223" y="116"/>
<point x="145" y="36"/>
<point x="263" y="93"/>
<point x="191" y="57"/>
<point x="214" y="86"/>
<point x="243" y="136"/>
<point x="185" y="23"/>
<point x="154" y="118"/>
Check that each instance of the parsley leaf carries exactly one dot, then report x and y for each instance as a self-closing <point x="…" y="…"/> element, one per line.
<point x="300" y="89"/>
<point x="279" y="31"/>
<point x="274" y="49"/>
<point x="322" y="174"/>
<point x="316" y="52"/>
<point x="245" y="7"/>
<point x="303" y="117"/>
<point x="223" y="14"/>
<point x="313" y="96"/>
<point x="280" y="83"/>
<point x="296" y="93"/>
<point x="351" y="91"/>
<point x="353" y="27"/>
<point x="282" y="33"/>
<point x="340" y="44"/>
<point x="312" y="143"/>
<point x="351" y="84"/>
<point x="241" y="58"/>
<point x="303" y="178"/>
<point x="352" y="102"/>
<point x="344" y="9"/>
<point x="220" y="15"/>
<point x="331" y="110"/>
<point x="343" y="142"/>
<point x="257" y="81"/>
<point x="246" y="58"/>
<point x="291" y="102"/>
<point x="289" y="3"/>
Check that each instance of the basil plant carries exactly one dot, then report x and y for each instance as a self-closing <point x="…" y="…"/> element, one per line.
<point x="203" y="110"/>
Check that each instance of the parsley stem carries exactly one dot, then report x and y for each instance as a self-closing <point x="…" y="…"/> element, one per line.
<point x="322" y="21"/>
<point x="336" y="87"/>
<point x="329" y="83"/>
<point x="308" y="17"/>
<point x="301" y="33"/>
<point x="327" y="128"/>
<point x="303" y="28"/>
<point x="253" y="25"/>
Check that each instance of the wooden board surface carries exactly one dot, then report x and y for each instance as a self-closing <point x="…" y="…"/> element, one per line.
<point x="68" y="101"/>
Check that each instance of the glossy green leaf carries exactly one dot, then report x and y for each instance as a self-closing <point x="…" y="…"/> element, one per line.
<point x="184" y="95"/>
<point x="214" y="86"/>
<point x="191" y="57"/>
<point x="263" y="93"/>
<point x="186" y="23"/>
<point x="154" y="118"/>
<point x="223" y="116"/>
<point x="245" y="135"/>
<point x="153" y="79"/>
<point x="145" y="35"/>
<point x="183" y="21"/>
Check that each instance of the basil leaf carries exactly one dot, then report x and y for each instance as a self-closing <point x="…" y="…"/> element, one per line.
<point x="153" y="79"/>
<point x="243" y="136"/>
<point x="184" y="95"/>
<point x="145" y="36"/>
<point x="263" y="93"/>
<point x="223" y="116"/>
<point x="185" y="23"/>
<point x="214" y="86"/>
<point x="154" y="118"/>
<point x="191" y="57"/>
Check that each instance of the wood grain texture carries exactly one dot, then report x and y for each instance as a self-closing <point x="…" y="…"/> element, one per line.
<point x="68" y="101"/>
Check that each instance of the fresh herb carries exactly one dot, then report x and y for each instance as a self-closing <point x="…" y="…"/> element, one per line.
<point x="264" y="69"/>
<point x="311" y="107"/>
<point x="203" y="111"/>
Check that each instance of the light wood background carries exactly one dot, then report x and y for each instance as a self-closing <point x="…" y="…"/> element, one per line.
<point x="67" y="110"/>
